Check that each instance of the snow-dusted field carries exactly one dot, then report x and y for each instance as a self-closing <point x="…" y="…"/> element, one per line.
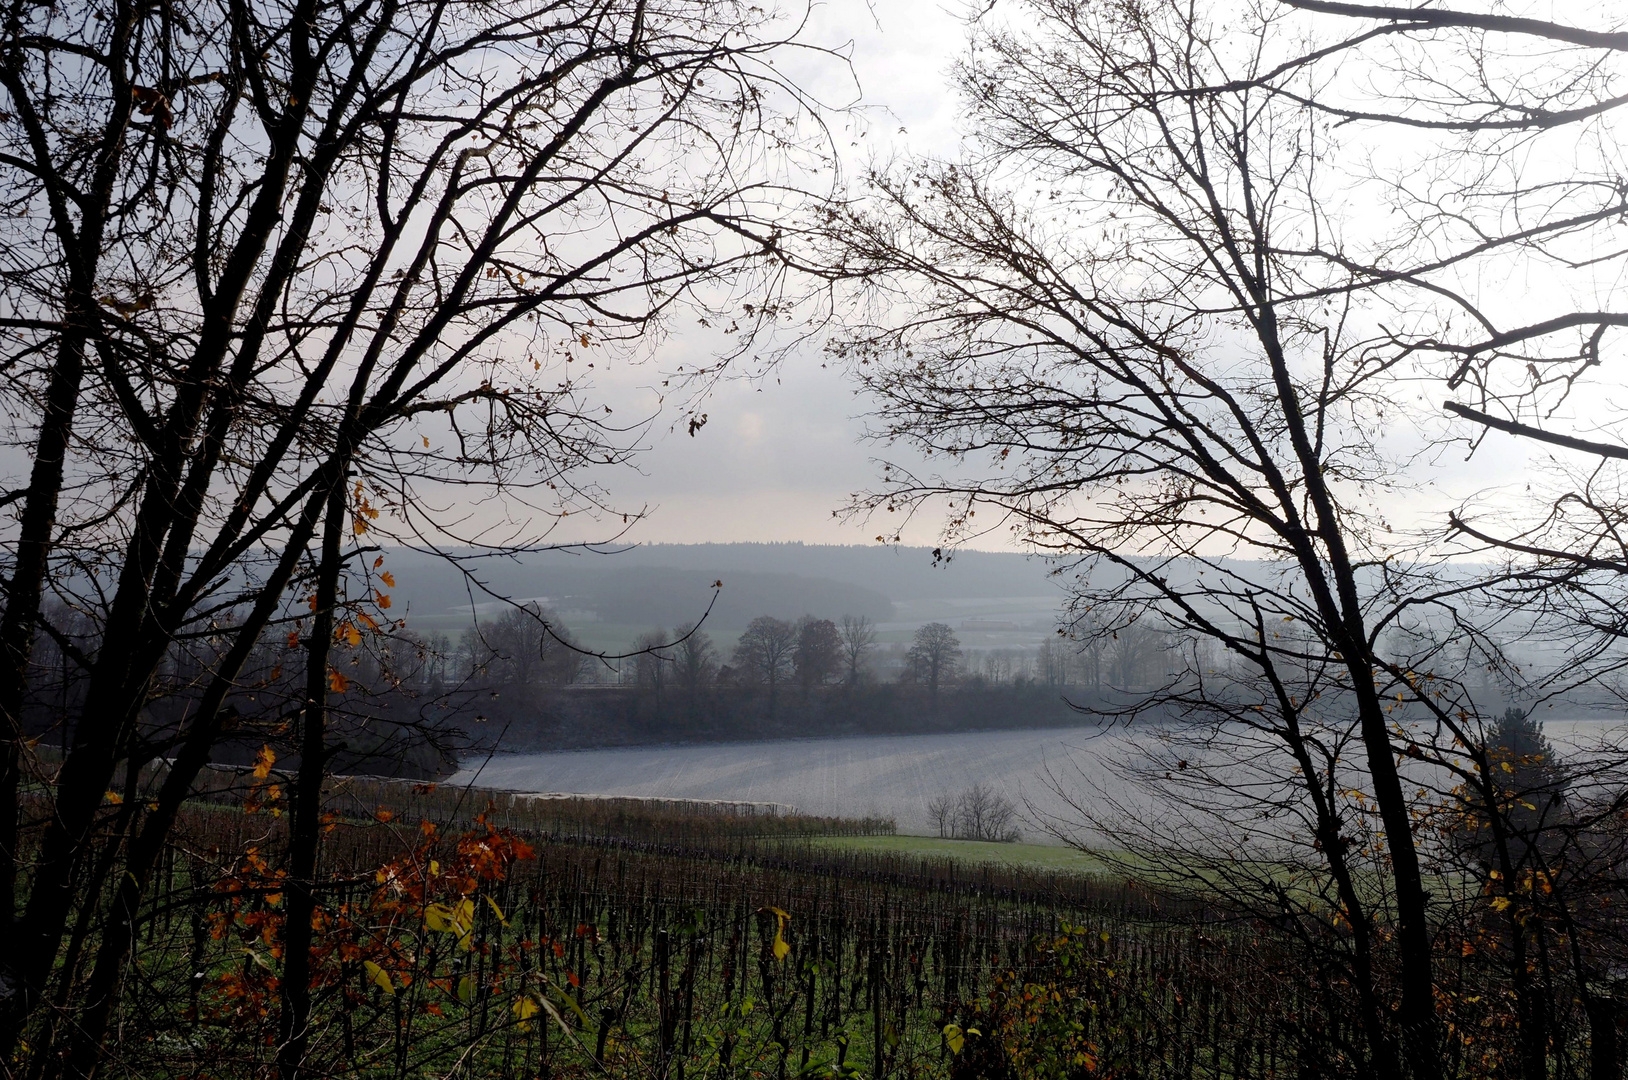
<point x="889" y="776"/>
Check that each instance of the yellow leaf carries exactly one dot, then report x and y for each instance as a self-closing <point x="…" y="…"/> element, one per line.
<point x="438" y="917"/>
<point x="1500" y="903"/>
<point x="379" y="977"/>
<point x="115" y="798"/>
<point x="526" y="1007"/>
<point x="497" y="911"/>
<point x="954" y="1037"/>
<point x="263" y="762"/>
<point x="781" y="948"/>
<point x="463" y="924"/>
<point x="435" y="868"/>
<point x="466" y="990"/>
<point x="358" y="526"/>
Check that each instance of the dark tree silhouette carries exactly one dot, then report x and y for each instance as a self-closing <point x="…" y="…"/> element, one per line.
<point x="858" y="641"/>
<point x="695" y="660"/>
<point x="1133" y="328"/>
<point x="765" y="652"/>
<point x="934" y="656"/>
<point x="818" y="655"/>
<point x="272" y="275"/>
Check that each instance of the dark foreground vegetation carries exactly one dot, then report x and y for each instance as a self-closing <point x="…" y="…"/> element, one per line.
<point x="468" y="934"/>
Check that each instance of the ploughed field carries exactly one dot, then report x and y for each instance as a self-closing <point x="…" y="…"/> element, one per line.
<point x="887" y="776"/>
<point x="874" y="776"/>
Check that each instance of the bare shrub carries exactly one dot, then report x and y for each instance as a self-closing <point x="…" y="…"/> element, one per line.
<point x="978" y="813"/>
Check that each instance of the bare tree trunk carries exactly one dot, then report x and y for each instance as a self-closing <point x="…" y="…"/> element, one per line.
<point x="18" y="626"/>
<point x="294" y="1020"/>
<point x="1604" y="1051"/>
<point x="1343" y="612"/>
<point x="81" y="248"/>
<point x="104" y="987"/>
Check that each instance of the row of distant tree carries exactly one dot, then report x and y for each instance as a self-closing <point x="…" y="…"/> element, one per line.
<point x="411" y="704"/>
<point x="397" y="671"/>
<point x="528" y="646"/>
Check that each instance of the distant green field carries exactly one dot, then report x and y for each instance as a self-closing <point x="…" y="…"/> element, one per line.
<point x="1047" y="856"/>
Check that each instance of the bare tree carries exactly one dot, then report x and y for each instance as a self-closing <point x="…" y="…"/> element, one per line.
<point x="934" y="656"/>
<point x="1516" y="112"/>
<point x="1128" y="319"/>
<point x="273" y="275"/>
<point x="941" y="812"/>
<point x="1133" y="656"/>
<point x="978" y="813"/>
<point x="765" y="652"/>
<point x="982" y="813"/>
<point x="858" y="634"/>
<point x="526" y="645"/>
<point x="818" y="654"/>
<point x="653" y="663"/>
<point x="695" y="659"/>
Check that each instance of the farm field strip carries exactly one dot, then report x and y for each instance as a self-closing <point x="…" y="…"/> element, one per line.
<point x="892" y="776"/>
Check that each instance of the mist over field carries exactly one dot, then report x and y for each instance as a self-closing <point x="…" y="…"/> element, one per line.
<point x="627" y="589"/>
<point x="1047" y="772"/>
<point x="878" y="776"/>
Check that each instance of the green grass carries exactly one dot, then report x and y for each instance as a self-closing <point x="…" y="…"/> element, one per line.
<point x="1042" y="856"/>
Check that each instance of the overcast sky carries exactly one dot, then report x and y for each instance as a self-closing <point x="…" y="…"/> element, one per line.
<point x="778" y="456"/>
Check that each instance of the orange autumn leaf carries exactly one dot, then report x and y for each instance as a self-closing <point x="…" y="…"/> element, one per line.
<point x="337" y="681"/>
<point x="388" y="578"/>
